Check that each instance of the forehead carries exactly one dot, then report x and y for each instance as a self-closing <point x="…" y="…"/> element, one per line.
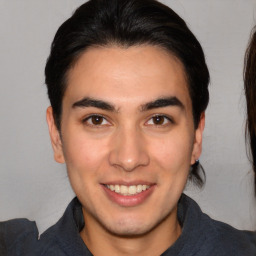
<point x="136" y="74"/>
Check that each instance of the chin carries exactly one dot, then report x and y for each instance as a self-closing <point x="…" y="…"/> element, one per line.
<point x="132" y="225"/>
<point x="125" y="230"/>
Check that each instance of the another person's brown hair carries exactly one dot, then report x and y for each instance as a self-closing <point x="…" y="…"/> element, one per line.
<point x="250" y="93"/>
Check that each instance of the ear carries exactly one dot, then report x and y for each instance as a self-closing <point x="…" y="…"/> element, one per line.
<point x="197" y="147"/>
<point x="55" y="137"/>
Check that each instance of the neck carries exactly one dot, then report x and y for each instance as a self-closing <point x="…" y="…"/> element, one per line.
<point x="102" y="242"/>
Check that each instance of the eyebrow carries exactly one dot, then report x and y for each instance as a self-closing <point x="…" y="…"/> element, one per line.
<point x="158" y="103"/>
<point x="163" y="102"/>
<point x="90" y="102"/>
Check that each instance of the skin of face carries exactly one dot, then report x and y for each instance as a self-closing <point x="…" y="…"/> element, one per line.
<point x="127" y="120"/>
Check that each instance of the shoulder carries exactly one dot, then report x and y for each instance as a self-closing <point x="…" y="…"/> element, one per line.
<point x="63" y="238"/>
<point x="223" y="239"/>
<point x="18" y="237"/>
<point x="211" y="237"/>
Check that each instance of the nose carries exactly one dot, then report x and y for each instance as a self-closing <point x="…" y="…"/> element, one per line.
<point x="129" y="150"/>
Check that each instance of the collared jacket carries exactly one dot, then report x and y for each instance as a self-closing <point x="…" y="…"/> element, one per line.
<point x="201" y="235"/>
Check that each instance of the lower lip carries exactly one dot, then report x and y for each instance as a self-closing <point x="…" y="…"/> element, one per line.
<point x="129" y="201"/>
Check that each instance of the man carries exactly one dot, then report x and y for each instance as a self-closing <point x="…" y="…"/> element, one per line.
<point x="128" y="86"/>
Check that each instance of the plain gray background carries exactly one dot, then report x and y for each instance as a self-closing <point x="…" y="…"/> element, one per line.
<point x="32" y="185"/>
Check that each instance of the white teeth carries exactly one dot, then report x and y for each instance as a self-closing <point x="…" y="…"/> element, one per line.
<point x="132" y="190"/>
<point x="127" y="190"/>
<point x="139" y="188"/>
<point x="123" y="190"/>
<point x="117" y="189"/>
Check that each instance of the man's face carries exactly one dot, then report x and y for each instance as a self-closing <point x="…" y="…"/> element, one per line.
<point x="127" y="137"/>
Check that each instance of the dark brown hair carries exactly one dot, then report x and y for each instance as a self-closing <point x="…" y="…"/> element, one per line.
<point x="250" y="93"/>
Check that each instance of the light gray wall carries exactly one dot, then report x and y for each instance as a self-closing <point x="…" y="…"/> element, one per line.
<point x="32" y="185"/>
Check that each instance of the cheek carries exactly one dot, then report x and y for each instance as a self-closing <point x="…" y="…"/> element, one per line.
<point x="173" y="152"/>
<point x="85" y="158"/>
<point x="83" y="155"/>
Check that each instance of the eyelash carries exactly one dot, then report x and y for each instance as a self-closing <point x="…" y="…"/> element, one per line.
<point x="166" y="121"/>
<point x="86" y="120"/>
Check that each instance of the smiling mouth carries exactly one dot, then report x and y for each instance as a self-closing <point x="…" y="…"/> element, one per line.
<point x="127" y="190"/>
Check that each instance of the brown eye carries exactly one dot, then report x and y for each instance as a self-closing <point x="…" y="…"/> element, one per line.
<point x="158" y="120"/>
<point x="96" y="120"/>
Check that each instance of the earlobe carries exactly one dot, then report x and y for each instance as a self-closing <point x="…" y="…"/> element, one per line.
<point x="197" y="148"/>
<point x="55" y="137"/>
